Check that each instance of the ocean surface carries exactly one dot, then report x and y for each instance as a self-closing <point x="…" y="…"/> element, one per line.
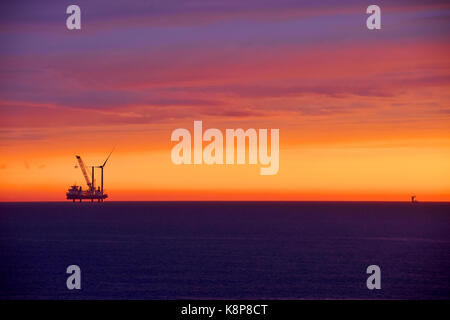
<point x="225" y="250"/>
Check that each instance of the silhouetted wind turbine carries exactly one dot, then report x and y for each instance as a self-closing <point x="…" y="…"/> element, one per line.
<point x="102" y="166"/>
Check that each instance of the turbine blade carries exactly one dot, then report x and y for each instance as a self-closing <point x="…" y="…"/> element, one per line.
<point x="108" y="157"/>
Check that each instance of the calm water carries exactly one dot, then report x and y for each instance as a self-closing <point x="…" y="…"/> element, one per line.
<point x="218" y="250"/>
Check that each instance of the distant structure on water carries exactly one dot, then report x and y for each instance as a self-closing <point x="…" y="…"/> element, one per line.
<point x="413" y="199"/>
<point x="77" y="193"/>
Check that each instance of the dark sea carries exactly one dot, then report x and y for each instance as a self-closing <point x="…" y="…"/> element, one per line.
<point x="225" y="250"/>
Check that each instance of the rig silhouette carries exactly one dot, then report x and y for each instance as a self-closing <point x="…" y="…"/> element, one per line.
<point x="77" y="193"/>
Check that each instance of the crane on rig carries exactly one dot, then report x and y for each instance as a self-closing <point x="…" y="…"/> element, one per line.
<point x="83" y="169"/>
<point x="77" y="193"/>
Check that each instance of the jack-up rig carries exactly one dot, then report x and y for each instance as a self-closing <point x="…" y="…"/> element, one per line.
<point x="77" y="193"/>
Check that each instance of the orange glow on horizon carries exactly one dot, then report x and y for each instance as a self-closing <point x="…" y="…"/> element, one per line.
<point x="328" y="173"/>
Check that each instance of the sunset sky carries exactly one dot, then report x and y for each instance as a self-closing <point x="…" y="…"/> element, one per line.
<point x="363" y="114"/>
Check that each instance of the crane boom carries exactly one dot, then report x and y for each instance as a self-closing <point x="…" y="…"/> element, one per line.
<point x="83" y="169"/>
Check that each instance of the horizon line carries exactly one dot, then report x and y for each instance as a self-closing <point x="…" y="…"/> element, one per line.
<point x="242" y="201"/>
